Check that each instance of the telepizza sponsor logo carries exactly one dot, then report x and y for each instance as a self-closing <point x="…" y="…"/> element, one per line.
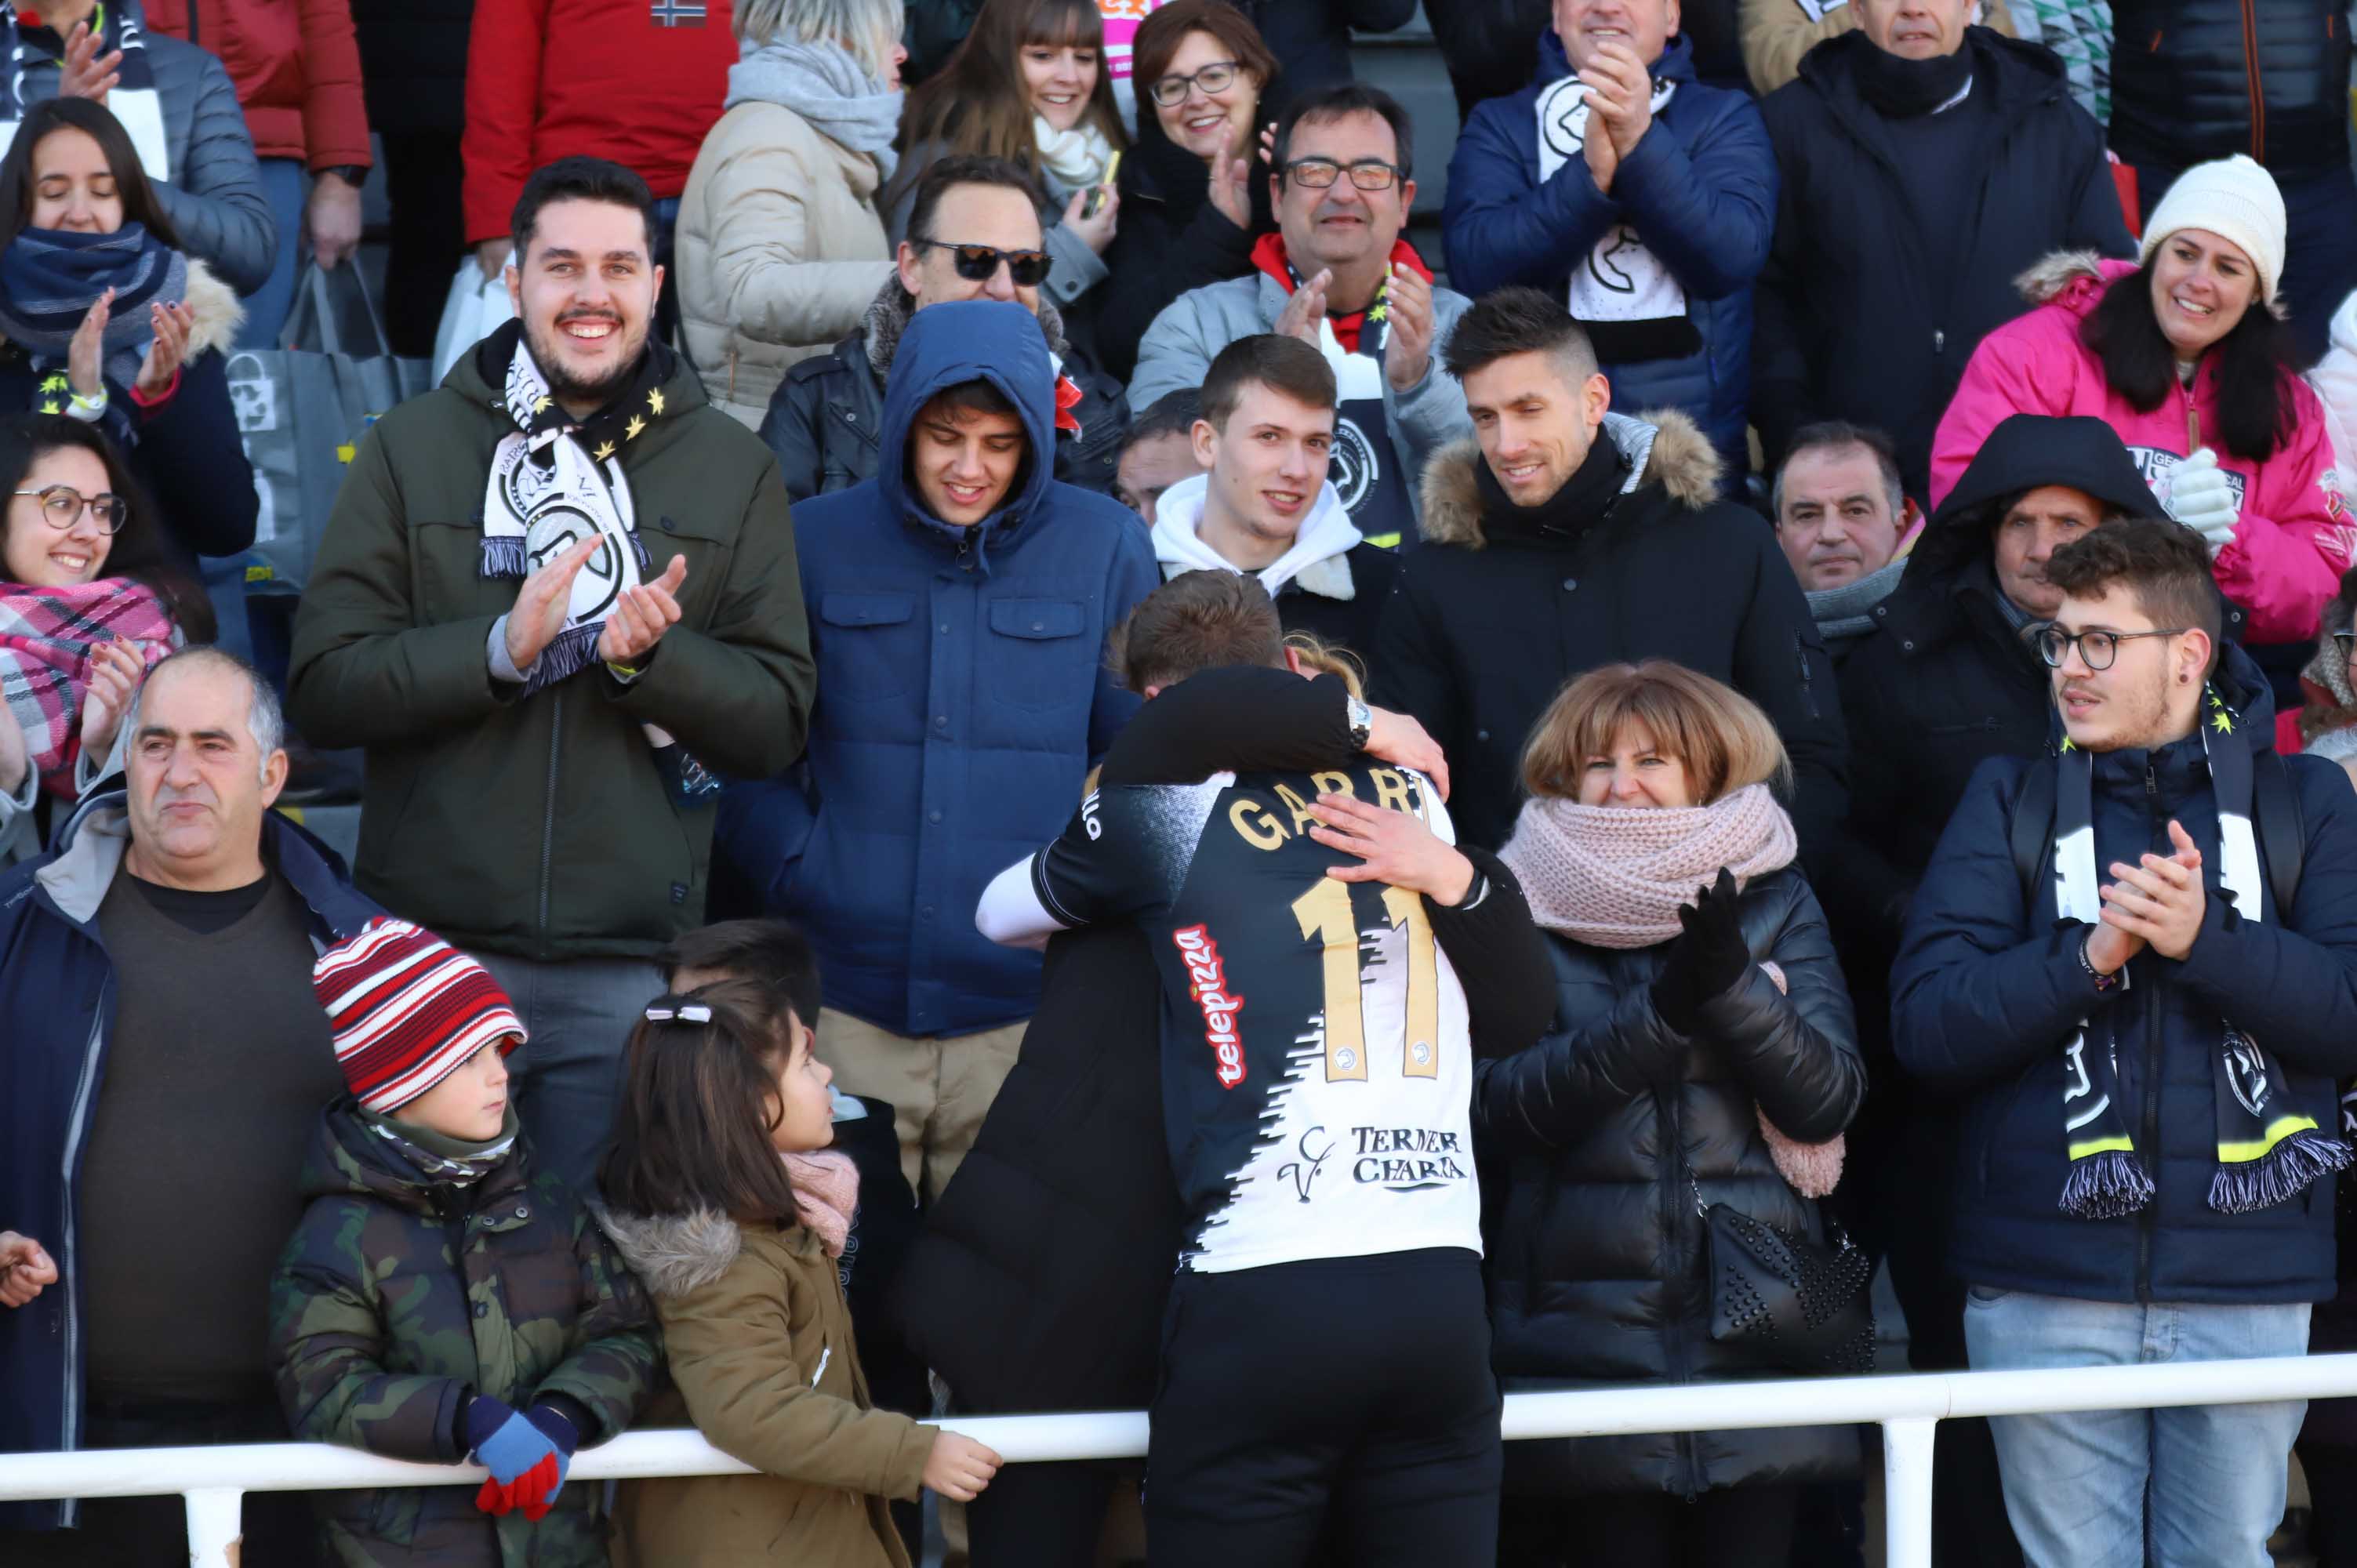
<point x="1209" y="986"/>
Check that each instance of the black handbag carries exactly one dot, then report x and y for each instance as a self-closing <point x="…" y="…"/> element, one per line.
<point x="1786" y="1300"/>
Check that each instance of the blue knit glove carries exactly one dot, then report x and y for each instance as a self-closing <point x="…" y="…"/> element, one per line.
<point x="527" y="1455"/>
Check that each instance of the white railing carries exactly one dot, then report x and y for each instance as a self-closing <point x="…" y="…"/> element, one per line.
<point x="1908" y="1408"/>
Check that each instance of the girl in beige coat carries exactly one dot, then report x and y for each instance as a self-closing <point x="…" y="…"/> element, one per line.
<point x="727" y="1208"/>
<point x="779" y="244"/>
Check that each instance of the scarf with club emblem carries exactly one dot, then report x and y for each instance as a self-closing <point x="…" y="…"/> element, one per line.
<point x="1632" y="306"/>
<point x="2267" y="1151"/>
<point x="555" y="483"/>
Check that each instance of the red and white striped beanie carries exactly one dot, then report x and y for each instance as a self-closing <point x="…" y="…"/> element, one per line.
<point x="406" y="1010"/>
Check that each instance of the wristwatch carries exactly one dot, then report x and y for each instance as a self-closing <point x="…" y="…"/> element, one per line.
<point x="353" y="174"/>
<point x="1363" y="722"/>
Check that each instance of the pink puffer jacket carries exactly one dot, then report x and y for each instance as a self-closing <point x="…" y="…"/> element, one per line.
<point x="2296" y="536"/>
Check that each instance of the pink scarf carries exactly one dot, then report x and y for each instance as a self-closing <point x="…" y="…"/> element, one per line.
<point x="1613" y="876"/>
<point x="826" y="1195"/>
<point x="46" y="637"/>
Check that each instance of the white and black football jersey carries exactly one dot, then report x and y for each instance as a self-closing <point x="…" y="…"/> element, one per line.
<point x="1316" y="1062"/>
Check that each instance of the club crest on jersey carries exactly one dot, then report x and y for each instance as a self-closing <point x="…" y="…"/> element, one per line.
<point x="1207" y="983"/>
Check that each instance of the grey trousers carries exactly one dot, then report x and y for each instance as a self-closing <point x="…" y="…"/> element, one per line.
<point x="567" y="1076"/>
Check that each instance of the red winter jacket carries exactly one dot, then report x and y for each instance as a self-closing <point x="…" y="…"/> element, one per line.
<point x="639" y="82"/>
<point x="296" y="67"/>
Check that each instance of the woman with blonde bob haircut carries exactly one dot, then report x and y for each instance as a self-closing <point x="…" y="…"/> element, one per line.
<point x="1703" y="1052"/>
<point x="780" y="242"/>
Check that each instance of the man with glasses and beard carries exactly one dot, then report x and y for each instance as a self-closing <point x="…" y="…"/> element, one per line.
<point x="553" y="594"/>
<point x="1338" y="276"/>
<point x="973" y="233"/>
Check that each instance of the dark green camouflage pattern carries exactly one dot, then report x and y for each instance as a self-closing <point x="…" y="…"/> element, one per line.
<point x="396" y="1295"/>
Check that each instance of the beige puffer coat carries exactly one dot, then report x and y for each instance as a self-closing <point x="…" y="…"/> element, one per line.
<point x="779" y="249"/>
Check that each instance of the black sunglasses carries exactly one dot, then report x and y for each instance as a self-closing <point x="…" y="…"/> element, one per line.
<point x="978" y="264"/>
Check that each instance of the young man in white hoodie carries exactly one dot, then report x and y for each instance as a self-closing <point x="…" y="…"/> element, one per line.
<point x="1263" y="504"/>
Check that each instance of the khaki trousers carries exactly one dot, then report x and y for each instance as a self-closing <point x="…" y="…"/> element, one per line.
<point x="940" y="1086"/>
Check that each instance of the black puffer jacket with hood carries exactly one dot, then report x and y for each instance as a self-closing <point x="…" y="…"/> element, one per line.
<point x="1595" y="1143"/>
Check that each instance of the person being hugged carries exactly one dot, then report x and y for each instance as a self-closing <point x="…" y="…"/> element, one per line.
<point x="440" y="1299"/>
<point x="727" y="1202"/>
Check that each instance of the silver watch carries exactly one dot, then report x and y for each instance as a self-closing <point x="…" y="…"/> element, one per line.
<point x="1363" y="722"/>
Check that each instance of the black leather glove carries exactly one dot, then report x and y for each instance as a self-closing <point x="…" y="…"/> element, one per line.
<point x="1707" y="959"/>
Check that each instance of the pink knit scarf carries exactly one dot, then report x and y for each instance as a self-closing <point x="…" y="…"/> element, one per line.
<point x="1613" y="876"/>
<point x="826" y="1195"/>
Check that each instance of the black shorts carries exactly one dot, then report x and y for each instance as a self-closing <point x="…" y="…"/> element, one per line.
<point x="1349" y="1391"/>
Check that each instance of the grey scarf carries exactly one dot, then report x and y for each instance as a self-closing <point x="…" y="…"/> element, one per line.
<point x="1848" y="610"/>
<point x="826" y="86"/>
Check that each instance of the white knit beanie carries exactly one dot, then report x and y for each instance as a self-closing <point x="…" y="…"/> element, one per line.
<point x="2234" y="198"/>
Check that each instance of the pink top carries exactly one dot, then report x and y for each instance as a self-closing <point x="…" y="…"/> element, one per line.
<point x="2295" y="537"/>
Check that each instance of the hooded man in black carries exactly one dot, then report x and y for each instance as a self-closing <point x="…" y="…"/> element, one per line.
<point x="1943" y="680"/>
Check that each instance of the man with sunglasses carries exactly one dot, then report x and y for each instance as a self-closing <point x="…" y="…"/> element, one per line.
<point x="2134" y="964"/>
<point x="973" y="233"/>
<point x="1339" y="276"/>
<point x="1641" y="197"/>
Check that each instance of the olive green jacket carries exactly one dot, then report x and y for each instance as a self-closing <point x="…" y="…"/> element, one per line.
<point x="540" y="826"/>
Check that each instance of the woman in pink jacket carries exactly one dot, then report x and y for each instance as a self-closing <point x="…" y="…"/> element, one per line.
<point x="2185" y="358"/>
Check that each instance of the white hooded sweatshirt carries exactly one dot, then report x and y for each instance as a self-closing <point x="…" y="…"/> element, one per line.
<point x="1319" y="560"/>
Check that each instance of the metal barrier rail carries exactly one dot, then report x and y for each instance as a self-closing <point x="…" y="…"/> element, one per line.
<point x="1908" y="1408"/>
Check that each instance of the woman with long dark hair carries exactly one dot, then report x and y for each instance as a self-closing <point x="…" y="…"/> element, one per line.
<point x="1703" y="1053"/>
<point x="1195" y="188"/>
<point x="89" y="596"/>
<point x="107" y="320"/>
<point x="2184" y="355"/>
<point x="1027" y="85"/>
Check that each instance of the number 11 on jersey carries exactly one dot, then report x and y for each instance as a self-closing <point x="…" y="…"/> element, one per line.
<point x="1325" y="914"/>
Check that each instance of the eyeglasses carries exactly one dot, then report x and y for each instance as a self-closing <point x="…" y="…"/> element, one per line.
<point x="979" y="263"/>
<point x="1213" y="79"/>
<point x="2346" y="643"/>
<point x="1318" y="174"/>
<point x="2098" y="649"/>
<point x="62" y="506"/>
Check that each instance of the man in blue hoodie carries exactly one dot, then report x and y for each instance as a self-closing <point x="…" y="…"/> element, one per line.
<point x="959" y="603"/>
<point x="1643" y="198"/>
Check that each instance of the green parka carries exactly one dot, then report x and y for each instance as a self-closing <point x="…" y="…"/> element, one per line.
<point x="540" y="827"/>
<point x="398" y="1295"/>
<point x="761" y="1354"/>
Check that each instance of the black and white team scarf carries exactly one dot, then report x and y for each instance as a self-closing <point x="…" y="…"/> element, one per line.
<point x="2267" y="1151"/>
<point x="1622" y="291"/>
<point x="555" y="483"/>
<point x="133" y="99"/>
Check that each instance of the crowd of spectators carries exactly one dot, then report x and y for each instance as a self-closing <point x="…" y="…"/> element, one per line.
<point x="1022" y="738"/>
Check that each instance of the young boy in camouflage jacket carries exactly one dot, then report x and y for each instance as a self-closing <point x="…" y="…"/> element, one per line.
<point x="439" y="1299"/>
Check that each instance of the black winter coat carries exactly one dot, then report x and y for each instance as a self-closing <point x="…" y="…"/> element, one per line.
<point x="1848" y="321"/>
<point x="413" y="61"/>
<point x="1988" y="990"/>
<point x="1493" y="616"/>
<point x="2196" y="80"/>
<point x="1071" y="1163"/>
<point x="1171" y="238"/>
<point x="1597" y="1258"/>
<point x="826" y="419"/>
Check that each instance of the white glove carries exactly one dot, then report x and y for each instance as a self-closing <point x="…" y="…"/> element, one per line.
<point x="2200" y="498"/>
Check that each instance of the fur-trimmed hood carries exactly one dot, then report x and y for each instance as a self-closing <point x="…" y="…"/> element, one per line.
<point x="2076" y="280"/>
<point x="1663" y="448"/>
<point x="887" y="317"/>
<point x="674" y="1254"/>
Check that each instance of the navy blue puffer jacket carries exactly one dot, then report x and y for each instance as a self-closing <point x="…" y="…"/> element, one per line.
<point x="1700" y="190"/>
<point x="1987" y="991"/>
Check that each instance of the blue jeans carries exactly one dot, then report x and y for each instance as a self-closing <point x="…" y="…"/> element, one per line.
<point x="284" y="186"/>
<point x="567" y="1079"/>
<point x="2199" y="1487"/>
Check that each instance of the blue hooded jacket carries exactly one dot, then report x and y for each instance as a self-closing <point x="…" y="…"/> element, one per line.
<point x="963" y="696"/>
<point x="1699" y="189"/>
<point x="1986" y="992"/>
